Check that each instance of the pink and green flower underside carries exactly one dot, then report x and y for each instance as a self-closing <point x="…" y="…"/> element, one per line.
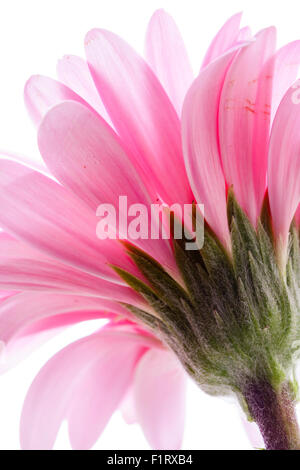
<point x="226" y="314"/>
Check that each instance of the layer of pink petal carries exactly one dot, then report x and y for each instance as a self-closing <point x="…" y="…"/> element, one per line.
<point x="88" y="380"/>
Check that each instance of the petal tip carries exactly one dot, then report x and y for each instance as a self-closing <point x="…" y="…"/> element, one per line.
<point x="96" y="34"/>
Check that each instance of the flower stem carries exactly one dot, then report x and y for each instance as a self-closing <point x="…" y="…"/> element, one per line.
<point x="274" y="413"/>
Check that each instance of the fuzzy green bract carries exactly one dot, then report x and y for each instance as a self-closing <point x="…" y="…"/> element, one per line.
<point x="235" y="321"/>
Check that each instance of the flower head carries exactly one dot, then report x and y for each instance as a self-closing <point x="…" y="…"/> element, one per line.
<point x="148" y="129"/>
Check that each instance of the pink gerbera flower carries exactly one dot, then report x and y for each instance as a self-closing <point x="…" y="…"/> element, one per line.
<point x="226" y="313"/>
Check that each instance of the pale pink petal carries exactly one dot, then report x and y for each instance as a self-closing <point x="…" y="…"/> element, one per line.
<point x="5" y="294"/>
<point x="224" y="39"/>
<point x="201" y="144"/>
<point x="284" y="164"/>
<point x="159" y="389"/>
<point x="99" y="394"/>
<point x="141" y="113"/>
<point x="32" y="275"/>
<point x="73" y="72"/>
<point x="47" y="216"/>
<point x="244" y="121"/>
<point x="253" y="433"/>
<point x="20" y="312"/>
<point x="128" y="407"/>
<point x="33" y="162"/>
<point x="25" y="316"/>
<point x="287" y="62"/>
<point x="244" y="34"/>
<point x="84" y="382"/>
<point x="85" y="155"/>
<point x="167" y="55"/>
<point x="41" y="93"/>
<point x="25" y="269"/>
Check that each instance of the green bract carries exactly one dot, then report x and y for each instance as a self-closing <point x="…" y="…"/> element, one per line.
<point x="235" y="321"/>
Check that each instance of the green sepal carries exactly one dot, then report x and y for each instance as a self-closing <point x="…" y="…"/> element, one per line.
<point x="172" y="317"/>
<point x="163" y="284"/>
<point x="230" y="317"/>
<point x="266" y="218"/>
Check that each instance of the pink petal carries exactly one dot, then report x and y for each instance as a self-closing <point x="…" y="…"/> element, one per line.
<point x="128" y="407"/>
<point x="25" y="269"/>
<point x="244" y="34"/>
<point x="73" y="72"/>
<point x="20" y="312"/>
<point x="5" y="294"/>
<point x="201" y="145"/>
<point x="85" y="155"/>
<point x="287" y="62"/>
<point x="253" y="433"/>
<point x="224" y="39"/>
<point x="25" y="315"/>
<point x="244" y="121"/>
<point x="47" y="216"/>
<point x="284" y="164"/>
<point x="141" y="113"/>
<point x="160" y="399"/>
<point x="41" y="93"/>
<point x="38" y="165"/>
<point x="167" y="56"/>
<point x="85" y="382"/>
<point x="91" y="408"/>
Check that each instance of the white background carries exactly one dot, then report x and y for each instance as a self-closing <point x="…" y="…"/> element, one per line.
<point x="33" y="35"/>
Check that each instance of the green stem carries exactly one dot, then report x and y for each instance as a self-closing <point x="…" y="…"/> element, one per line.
<point x="274" y="413"/>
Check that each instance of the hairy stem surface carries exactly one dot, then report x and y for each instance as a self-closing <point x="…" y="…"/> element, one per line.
<point x="274" y="413"/>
